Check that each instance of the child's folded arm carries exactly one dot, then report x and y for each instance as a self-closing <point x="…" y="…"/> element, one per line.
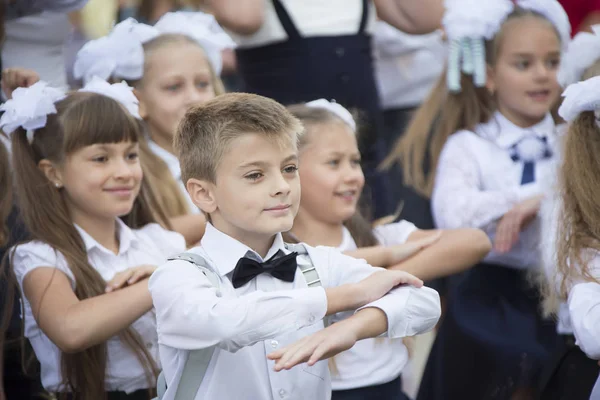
<point x="410" y="310"/>
<point x="191" y="316"/>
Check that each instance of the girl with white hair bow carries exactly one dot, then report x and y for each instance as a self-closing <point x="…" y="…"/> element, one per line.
<point x="172" y="65"/>
<point x="94" y="240"/>
<point x="486" y="136"/>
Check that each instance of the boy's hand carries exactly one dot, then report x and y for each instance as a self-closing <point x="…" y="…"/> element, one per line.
<point x="129" y="277"/>
<point x="380" y="283"/>
<point x="318" y="346"/>
<point x="513" y="222"/>
<point x="403" y="251"/>
<point x="369" y="322"/>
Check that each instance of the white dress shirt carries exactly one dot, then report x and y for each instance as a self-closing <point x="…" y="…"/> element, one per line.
<point x="406" y="66"/>
<point x="584" y="307"/>
<point x="150" y="245"/>
<point x="374" y="361"/>
<point x="477" y="182"/>
<point x="37" y="42"/>
<point x="311" y="18"/>
<point x="265" y="314"/>
<point x="173" y="163"/>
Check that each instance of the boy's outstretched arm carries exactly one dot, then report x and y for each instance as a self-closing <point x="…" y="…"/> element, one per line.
<point x="367" y="323"/>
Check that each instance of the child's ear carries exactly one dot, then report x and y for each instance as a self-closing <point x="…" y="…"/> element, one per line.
<point x="490" y="80"/>
<point x="143" y="110"/>
<point x="202" y="194"/>
<point x="51" y="172"/>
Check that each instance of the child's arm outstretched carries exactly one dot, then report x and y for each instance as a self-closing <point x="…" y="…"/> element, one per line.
<point x="73" y="324"/>
<point x="455" y="251"/>
<point x="403" y="311"/>
<point x="191" y="315"/>
<point x="367" y="323"/>
<point x="384" y="256"/>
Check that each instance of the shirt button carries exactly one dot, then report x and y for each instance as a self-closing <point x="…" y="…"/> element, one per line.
<point x="345" y="78"/>
<point x="340" y="51"/>
<point x="311" y="319"/>
<point x="274" y="343"/>
<point x="282" y="393"/>
<point x="149" y="345"/>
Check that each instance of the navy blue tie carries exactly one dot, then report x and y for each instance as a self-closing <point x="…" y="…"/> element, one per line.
<point x="528" y="175"/>
<point x="528" y="172"/>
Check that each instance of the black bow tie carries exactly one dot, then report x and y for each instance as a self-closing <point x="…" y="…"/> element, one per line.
<point x="279" y="266"/>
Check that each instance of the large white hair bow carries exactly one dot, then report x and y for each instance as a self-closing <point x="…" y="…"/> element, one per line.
<point x="201" y="27"/>
<point x="29" y="108"/>
<point x="468" y="23"/>
<point x="554" y="12"/>
<point x="119" y="54"/>
<point x="580" y="97"/>
<point x="582" y="53"/>
<point x="336" y="109"/>
<point x="120" y="92"/>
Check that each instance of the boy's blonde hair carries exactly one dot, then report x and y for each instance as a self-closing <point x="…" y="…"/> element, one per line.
<point x="206" y="130"/>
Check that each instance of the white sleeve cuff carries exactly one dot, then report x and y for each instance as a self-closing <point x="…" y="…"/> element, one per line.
<point x="410" y="311"/>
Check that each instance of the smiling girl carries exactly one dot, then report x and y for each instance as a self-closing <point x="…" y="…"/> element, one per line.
<point x="491" y="158"/>
<point x="94" y="240"/>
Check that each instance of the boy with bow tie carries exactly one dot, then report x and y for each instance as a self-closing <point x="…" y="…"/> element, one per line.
<point x="239" y="158"/>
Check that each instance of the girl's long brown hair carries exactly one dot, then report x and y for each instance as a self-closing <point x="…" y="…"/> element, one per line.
<point x="6" y="198"/>
<point x="81" y="121"/>
<point x="442" y="114"/>
<point x="578" y="236"/>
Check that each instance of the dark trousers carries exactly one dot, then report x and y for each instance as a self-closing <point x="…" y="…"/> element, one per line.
<point x="387" y="391"/>
<point x="18" y="385"/>
<point x="142" y="394"/>
<point x="570" y="375"/>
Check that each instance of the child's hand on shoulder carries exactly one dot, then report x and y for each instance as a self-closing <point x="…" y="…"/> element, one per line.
<point x="514" y="221"/>
<point x="380" y="283"/>
<point x="401" y="252"/>
<point x="129" y="277"/>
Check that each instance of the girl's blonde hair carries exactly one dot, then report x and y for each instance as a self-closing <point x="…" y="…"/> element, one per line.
<point x="81" y="120"/>
<point x="6" y="200"/>
<point x="169" y="194"/>
<point x="358" y="226"/>
<point x="444" y="113"/>
<point x="578" y="236"/>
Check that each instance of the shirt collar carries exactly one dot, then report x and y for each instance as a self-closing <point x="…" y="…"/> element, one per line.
<point x="170" y="159"/>
<point x="125" y="234"/>
<point x="225" y="251"/>
<point x="506" y="134"/>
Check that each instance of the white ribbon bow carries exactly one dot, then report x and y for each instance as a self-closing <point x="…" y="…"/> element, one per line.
<point x="120" y="92"/>
<point x="119" y="54"/>
<point x="336" y="109"/>
<point x="475" y="18"/>
<point x="555" y="13"/>
<point x="29" y="108"/>
<point x="467" y="24"/>
<point x="582" y="53"/>
<point x="201" y="27"/>
<point x="580" y="97"/>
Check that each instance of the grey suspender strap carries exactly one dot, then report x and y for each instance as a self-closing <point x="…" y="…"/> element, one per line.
<point x="311" y="275"/>
<point x="198" y="361"/>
